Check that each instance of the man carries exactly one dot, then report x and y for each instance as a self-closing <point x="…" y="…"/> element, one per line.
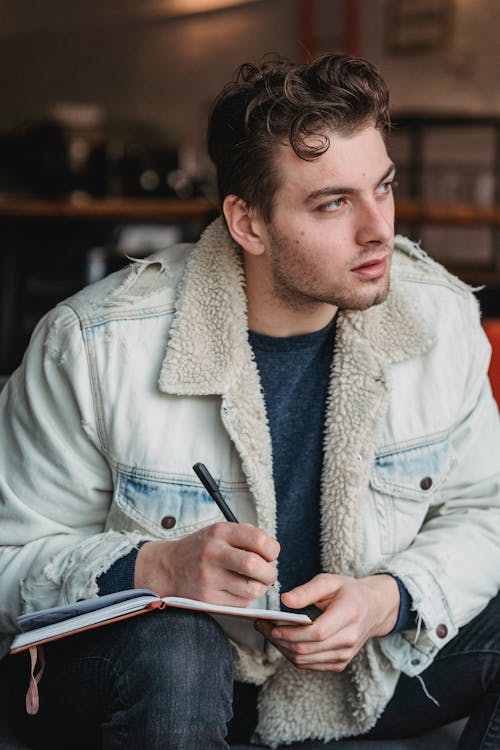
<point x="334" y="382"/>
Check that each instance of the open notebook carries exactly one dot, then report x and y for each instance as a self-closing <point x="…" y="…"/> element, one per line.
<point x="57" y="622"/>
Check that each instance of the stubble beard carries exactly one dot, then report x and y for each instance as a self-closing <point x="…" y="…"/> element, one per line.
<point x="306" y="296"/>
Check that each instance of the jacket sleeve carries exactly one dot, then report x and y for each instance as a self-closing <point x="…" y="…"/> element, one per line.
<point x="452" y="569"/>
<point x="55" y="481"/>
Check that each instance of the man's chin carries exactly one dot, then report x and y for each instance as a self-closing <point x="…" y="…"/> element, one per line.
<point x="365" y="301"/>
<point x="381" y="296"/>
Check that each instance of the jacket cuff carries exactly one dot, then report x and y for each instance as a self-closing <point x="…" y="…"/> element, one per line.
<point x="413" y="651"/>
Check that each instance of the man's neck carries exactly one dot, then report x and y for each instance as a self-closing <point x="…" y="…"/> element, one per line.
<point x="281" y="322"/>
<point x="272" y="315"/>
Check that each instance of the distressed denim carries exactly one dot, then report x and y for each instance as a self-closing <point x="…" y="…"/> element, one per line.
<point x="165" y="681"/>
<point x="162" y="680"/>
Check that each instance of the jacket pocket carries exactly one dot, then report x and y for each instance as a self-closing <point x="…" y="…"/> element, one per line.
<point x="167" y="508"/>
<point x="405" y="481"/>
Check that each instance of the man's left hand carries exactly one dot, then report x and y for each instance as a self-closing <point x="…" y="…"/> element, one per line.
<point x="354" y="610"/>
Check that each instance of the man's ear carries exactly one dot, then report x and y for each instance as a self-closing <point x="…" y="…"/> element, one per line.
<point x="245" y="226"/>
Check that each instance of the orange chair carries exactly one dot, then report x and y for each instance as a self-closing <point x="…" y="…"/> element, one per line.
<point x="492" y="328"/>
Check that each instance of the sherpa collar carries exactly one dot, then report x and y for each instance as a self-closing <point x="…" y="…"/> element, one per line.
<point x="209" y="336"/>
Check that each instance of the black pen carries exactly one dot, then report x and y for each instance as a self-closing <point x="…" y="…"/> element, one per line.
<point x="212" y="488"/>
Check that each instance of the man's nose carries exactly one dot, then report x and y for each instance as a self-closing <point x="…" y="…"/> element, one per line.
<point x="375" y="223"/>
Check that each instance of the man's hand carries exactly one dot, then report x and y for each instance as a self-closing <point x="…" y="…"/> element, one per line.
<point x="226" y="563"/>
<point x="355" y="609"/>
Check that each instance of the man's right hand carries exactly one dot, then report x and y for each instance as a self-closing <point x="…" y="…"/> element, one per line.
<point x="226" y="563"/>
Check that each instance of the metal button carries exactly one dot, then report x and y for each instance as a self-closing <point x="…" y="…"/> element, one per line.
<point x="415" y="662"/>
<point x="426" y="483"/>
<point x="168" y="522"/>
<point x="441" y="631"/>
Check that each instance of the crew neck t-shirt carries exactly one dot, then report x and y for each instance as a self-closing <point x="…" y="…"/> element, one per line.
<point x="295" y="375"/>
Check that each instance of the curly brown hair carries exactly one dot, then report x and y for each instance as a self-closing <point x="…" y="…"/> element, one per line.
<point x="282" y="102"/>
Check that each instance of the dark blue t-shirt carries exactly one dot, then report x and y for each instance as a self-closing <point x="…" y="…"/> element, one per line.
<point x="295" y="375"/>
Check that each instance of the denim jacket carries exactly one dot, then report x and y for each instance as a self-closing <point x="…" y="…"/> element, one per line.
<point x="131" y="381"/>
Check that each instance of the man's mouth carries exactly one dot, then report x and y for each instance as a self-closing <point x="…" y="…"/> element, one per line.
<point x="372" y="269"/>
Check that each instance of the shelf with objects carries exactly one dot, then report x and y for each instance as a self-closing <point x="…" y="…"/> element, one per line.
<point x="79" y="192"/>
<point x="448" y="194"/>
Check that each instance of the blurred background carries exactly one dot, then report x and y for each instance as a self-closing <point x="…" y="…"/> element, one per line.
<point x="102" y="127"/>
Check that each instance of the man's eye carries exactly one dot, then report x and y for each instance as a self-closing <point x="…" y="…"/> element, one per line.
<point x="332" y="205"/>
<point x="387" y="187"/>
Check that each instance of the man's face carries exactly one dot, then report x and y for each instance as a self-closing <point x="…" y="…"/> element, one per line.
<point x="330" y="237"/>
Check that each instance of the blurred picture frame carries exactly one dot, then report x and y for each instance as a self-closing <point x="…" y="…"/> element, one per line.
<point x="417" y="25"/>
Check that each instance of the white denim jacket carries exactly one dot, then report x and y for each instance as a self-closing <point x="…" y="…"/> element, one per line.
<point x="130" y="382"/>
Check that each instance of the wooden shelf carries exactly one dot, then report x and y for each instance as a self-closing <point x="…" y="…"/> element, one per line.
<point x="465" y="215"/>
<point x="136" y="209"/>
<point x="122" y="209"/>
<point x="458" y="214"/>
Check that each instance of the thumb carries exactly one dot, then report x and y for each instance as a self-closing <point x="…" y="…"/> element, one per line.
<point x="318" y="588"/>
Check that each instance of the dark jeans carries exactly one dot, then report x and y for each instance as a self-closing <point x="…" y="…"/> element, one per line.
<point x="161" y="680"/>
<point x="464" y="679"/>
<point x="164" y="680"/>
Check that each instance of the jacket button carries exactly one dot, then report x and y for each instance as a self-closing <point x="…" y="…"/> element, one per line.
<point x="426" y="483"/>
<point x="168" y="522"/>
<point x="441" y="631"/>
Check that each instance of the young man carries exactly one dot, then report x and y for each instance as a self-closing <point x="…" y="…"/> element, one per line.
<point x="334" y="382"/>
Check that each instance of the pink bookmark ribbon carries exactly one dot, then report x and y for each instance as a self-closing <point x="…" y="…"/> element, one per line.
<point x="32" y="696"/>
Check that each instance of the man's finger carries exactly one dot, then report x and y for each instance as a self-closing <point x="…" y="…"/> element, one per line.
<point x="251" y="566"/>
<point x="320" y="587"/>
<point x="244" y="536"/>
<point x="324" y="660"/>
<point x="288" y="634"/>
